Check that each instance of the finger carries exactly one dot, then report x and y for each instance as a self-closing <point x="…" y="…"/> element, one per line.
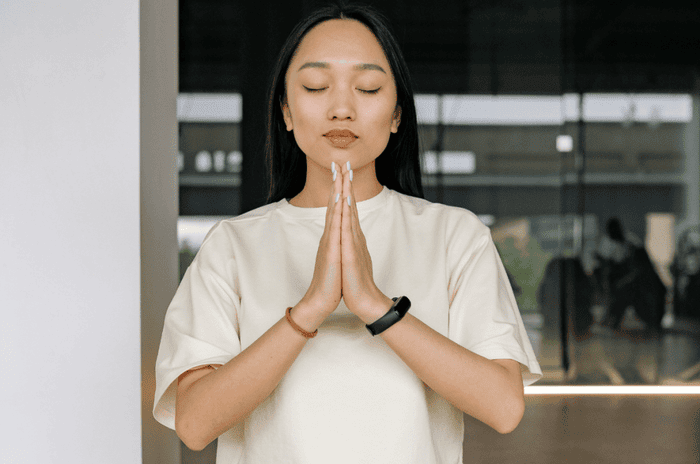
<point x="333" y="190"/>
<point x="354" y="214"/>
<point x="355" y="224"/>
<point x="347" y="214"/>
<point x="337" y="196"/>
<point x="331" y="200"/>
<point x="328" y="215"/>
<point x="347" y="185"/>
<point x="356" y="229"/>
<point x="329" y="211"/>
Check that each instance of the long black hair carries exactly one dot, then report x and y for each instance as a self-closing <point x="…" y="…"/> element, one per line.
<point x="398" y="167"/>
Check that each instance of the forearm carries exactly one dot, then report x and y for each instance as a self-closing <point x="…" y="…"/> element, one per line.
<point x="220" y="399"/>
<point x="480" y="387"/>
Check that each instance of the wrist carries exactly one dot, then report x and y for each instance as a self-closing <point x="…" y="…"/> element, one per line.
<point x="307" y="316"/>
<point x="377" y="309"/>
<point x="399" y="308"/>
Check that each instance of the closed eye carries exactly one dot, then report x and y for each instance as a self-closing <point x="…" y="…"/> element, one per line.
<point x="314" y="90"/>
<point x="369" y="92"/>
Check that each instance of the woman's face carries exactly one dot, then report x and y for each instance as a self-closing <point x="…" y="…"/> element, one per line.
<point x="340" y="81"/>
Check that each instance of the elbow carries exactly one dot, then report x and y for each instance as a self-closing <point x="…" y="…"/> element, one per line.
<point x="511" y="416"/>
<point x="194" y="445"/>
<point x="188" y="434"/>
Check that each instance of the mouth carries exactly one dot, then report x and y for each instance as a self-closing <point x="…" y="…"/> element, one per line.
<point x="340" y="138"/>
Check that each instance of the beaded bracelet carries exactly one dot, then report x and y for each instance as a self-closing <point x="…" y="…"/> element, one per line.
<point x="297" y="328"/>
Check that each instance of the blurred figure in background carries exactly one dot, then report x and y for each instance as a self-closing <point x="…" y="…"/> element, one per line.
<point x="686" y="275"/>
<point x="567" y="273"/>
<point x="628" y="278"/>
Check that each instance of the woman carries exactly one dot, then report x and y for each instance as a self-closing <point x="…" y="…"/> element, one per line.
<point x="284" y="339"/>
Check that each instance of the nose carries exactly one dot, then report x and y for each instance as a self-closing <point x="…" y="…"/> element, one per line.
<point x="342" y="106"/>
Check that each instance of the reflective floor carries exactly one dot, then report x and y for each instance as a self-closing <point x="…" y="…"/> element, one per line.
<point x="593" y="430"/>
<point x="579" y="430"/>
<point x="630" y="356"/>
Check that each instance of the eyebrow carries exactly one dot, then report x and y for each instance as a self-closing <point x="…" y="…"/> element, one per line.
<point x="357" y="67"/>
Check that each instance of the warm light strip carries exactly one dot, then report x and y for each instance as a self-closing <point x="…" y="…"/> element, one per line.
<point x="613" y="390"/>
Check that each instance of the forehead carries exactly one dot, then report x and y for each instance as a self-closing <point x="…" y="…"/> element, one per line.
<point x="340" y="41"/>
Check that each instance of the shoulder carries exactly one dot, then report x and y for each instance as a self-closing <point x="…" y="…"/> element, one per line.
<point x="422" y="206"/>
<point x="224" y="229"/>
<point x="221" y="241"/>
<point x="455" y="222"/>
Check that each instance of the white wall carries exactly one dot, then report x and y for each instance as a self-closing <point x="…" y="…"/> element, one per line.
<point x="70" y="273"/>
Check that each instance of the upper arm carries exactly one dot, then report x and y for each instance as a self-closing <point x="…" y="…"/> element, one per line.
<point x="513" y="368"/>
<point x="187" y="378"/>
<point x="514" y="403"/>
<point x="184" y="382"/>
<point x="483" y="314"/>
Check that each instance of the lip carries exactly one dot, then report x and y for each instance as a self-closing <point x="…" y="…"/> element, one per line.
<point x="340" y="138"/>
<point x="340" y="133"/>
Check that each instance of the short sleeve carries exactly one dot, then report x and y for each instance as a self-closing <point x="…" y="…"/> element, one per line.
<point x="201" y="327"/>
<point x="483" y="315"/>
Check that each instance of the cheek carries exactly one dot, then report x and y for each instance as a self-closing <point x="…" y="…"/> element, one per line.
<point x="304" y="114"/>
<point x="381" y="117"/>
<point x="379" y="124"/>
<point x="305" y="122"/>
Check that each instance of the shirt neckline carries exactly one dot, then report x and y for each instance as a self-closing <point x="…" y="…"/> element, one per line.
<point x="370" y="204"/>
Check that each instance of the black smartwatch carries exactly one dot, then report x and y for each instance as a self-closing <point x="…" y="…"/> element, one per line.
<point x="394" y="315"/>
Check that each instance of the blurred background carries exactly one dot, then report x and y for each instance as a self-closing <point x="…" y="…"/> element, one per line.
<point x="571" y="128"/>
<point x="551" y="120"/>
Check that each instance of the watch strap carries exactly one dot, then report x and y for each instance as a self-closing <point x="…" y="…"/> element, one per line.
<point x="397" y="311"/>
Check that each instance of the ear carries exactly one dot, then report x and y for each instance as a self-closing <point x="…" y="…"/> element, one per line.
<point x="396" y="120"/>
<point x="286" y="114"/>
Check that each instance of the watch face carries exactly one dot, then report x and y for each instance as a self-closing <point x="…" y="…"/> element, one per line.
<point x="402" y="305"/>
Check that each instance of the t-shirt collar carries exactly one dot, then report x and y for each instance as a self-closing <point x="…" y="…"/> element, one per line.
<point x="370" y="204"/>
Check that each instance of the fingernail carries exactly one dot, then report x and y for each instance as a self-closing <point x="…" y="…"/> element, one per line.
<point x="333" y="167"/>
<point x="335" y="174"/>
<point x="349" y="166"/>
<point x="351" y="176"/>
<point x="349" y="201"/>
<point x="337" y="195"/>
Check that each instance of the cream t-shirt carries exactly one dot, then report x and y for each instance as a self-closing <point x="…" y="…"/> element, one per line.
<point x="347" y="398"/>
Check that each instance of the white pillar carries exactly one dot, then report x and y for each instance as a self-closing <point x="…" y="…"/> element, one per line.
<point x="159" y="207"/>
<point x="71" y="219"/>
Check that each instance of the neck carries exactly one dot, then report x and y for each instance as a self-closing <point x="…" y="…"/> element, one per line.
<point x="320" y="180"/>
